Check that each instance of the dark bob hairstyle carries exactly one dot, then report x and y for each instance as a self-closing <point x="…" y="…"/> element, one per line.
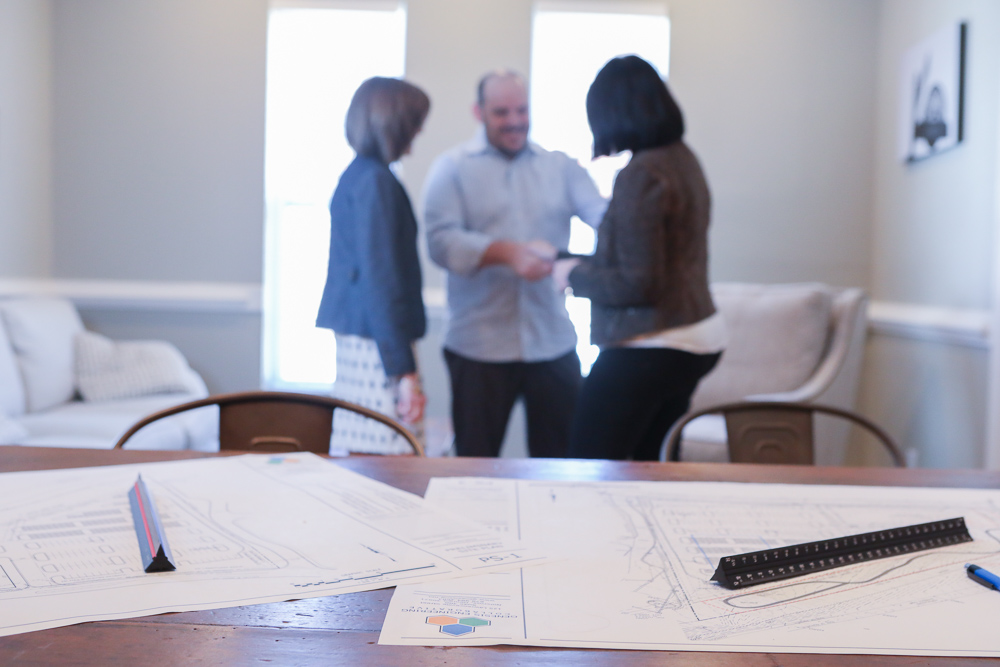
<point x="384" y="117"/>
<point x="630" y="108"/>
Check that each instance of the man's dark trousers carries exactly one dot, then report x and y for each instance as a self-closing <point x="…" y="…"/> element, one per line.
<point x="484" y="393"/>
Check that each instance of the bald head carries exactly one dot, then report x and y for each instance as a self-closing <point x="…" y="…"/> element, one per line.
<point x="502" y="108"/>
<point x="497" y="75"/>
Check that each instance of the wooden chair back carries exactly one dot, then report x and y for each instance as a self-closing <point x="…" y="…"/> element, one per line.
<point x="775" y="432"/>
<point x="275" y="421"/>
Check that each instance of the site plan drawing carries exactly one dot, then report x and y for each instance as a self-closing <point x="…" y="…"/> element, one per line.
<point x="243" y="530"/>
<point x="633" y="561"/>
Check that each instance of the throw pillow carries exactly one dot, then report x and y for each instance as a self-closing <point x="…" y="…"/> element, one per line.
<point x="777" y="336"/>
<point x="41" y="332"/>
<point x="108" y="370"/>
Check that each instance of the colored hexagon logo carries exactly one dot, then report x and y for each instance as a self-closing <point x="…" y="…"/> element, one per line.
<point x="441" y="620"/>
<point x="455" y="627"/>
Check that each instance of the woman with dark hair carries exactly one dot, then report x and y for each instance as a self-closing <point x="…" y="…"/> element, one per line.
<point x="651" y="310"/>
<point x="372" y="299"/>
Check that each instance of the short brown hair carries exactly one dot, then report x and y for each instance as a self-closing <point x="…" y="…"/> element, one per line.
<point x="384" y="116"/>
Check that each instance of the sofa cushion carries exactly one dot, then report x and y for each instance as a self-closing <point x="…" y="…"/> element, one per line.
<point x="777" y="336"/>
<point x="99" y="425"/>
<point x="11" y="432"/>
<point x="41" y="333"/>
<point x="11" y="385"/>
<point x="107" y="370"/>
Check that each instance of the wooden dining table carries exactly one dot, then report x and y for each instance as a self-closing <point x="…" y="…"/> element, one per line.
<point x="344" y="629"/>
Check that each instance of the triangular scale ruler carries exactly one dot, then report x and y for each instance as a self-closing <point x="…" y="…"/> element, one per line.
<point x="153" y="547"/>
<point x="760" y="567"/>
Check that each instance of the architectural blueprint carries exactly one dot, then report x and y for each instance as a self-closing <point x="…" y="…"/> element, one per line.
<point x="635" y="561"/>
<point x="243" y="530"/>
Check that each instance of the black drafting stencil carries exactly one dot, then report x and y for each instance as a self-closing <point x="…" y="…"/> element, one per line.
<point x="759" y="567"/>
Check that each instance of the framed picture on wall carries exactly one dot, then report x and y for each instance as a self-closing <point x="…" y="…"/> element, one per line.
<point x="932" y="91"/>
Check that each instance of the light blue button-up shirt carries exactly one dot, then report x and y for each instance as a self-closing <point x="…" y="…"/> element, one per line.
<point x="475" y="195"/>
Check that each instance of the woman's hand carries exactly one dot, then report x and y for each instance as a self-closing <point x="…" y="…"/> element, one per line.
<point x="543" y="249"/>
<point x="560" y="272"/>
<point x="410" y="399"/>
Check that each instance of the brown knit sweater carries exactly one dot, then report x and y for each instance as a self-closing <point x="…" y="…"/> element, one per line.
<point x="650" y="270"/>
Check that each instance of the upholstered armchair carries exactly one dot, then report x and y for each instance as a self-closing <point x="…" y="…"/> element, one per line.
<point x="787" y="342"/>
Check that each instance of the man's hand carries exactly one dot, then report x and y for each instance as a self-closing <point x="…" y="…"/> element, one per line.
<point x="410" y="399"/>
<point x="531" y="261"/>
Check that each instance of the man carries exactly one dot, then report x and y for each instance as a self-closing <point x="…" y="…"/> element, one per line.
<point x="497" y="208"/>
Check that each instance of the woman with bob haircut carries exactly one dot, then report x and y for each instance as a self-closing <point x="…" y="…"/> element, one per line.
<point x="372" y="298"/>
<point x="651" y="310"/>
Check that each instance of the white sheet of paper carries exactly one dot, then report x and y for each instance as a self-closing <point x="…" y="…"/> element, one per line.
<point x="637" y="558"/>
<point x="243" y="530"/>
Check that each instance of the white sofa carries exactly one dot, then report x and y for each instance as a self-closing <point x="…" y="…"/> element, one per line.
<point x="787" y="342"/>
<point x="41" y="375"/>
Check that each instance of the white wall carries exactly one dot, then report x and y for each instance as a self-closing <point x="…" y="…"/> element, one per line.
<point x="159" y="154"/>
<point x="933" y="235"/>
<point x="779" y="97"/>
<point x="934" y="219"/>
<point x="159" y="148"/>
<point x="25" y="146"/>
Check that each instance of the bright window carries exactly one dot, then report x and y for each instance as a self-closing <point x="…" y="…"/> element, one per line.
<point x="570" y="43"/>
<point x="318" y="53"/>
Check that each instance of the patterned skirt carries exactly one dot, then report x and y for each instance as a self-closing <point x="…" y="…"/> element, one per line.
<point x="362" y="380"/>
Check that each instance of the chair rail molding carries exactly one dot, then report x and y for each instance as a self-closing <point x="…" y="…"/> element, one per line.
<point x="213" y="297"/>
<point x="933" y="324"/>
<point x="936" y="324"/>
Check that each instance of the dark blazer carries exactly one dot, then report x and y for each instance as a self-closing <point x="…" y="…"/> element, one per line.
<point x="373" y="281"/>
<point x="650" y="269"/>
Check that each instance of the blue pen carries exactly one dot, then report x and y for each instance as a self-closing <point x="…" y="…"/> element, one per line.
<point x="984" y="577"/>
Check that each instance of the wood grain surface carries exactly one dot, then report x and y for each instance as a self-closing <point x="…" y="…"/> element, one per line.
<point x="343" y="629"/>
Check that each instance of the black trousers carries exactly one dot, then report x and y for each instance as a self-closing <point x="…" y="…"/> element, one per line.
<point x="484" y="393"/>
<point x="631" y="399"/>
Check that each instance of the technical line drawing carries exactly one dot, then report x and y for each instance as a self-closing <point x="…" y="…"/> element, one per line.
<point x="637" y="560"/>
<point x="242" y="530"/>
